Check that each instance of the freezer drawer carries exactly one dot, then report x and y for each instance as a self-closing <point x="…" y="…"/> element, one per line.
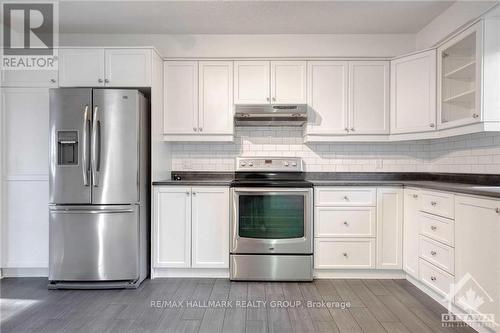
<point x="94" y="243"/>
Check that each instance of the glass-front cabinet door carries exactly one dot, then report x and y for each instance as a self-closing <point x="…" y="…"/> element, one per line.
<point x="271" y="216"/>
<point x="459" y="70"/>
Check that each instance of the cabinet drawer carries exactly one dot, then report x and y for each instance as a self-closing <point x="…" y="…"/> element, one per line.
<point x="440" y="255"/>
<point x="344" y="253"/>
<point x="345" y="222"/>
<point x="435" y="278"/>
<point x="438" y="203"/>
<point x="342" y="196"/>
<point x="437" y="228"/>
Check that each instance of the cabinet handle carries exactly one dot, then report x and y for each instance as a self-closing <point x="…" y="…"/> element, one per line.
<point x="433" y="253"/>
<point x="200" y="129"/>
<point x="195" y="129"/>
<point x="53" y="80"/>
<point x="187" y="193"/>
<point x="433" y="278"/>
<point x="346" y="198"/>
<point x="344" y="254"/>
<point x="106" y="81"/>
<point x="434" y="203"/>
<point x="346" y="224"/>
<point x="433" y="227"/>
<point x="415" y="196"/>
<point x="99" y="80"/>
<point x="475" y="115"/>
<point x="432" y="125"/>
<point x="346" y="129"/>
<point x="194" y="194"/>
<point x="497" y="210"/>
<point x="274" y="99"/>
<point x="267" y="99"/>
<point x="352" y="129"/>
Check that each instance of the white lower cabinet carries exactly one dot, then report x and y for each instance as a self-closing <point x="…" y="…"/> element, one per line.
<point x="477" y="248"/>
<point x="191" y="227"/>
<point x="389" y="228"/>
<point x="410" y="231"/>
<point x="349" y="253"/>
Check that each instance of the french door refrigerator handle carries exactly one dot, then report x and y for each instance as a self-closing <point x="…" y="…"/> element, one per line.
<point x="96" y="146"/>
<point x="85" y="160"/>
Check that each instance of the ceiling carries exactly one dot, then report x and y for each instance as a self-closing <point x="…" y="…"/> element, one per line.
<point x="247" y="17"/>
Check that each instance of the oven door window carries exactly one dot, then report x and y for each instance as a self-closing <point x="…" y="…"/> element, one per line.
<point x="271" y="216"/>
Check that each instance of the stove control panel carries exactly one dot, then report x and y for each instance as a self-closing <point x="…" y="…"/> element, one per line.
<point x="292" y="164"/>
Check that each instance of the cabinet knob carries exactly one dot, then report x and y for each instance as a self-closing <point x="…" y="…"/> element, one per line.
<point x="344" y="254"/>
<point x="433" y="227"/>
<point x="267" y="99"/>
<point x="475" y="115"/>
<point x="346" y="223"/>
<point x="99" y="80"/>
<point x="352" y="129"/>
<point x="346" y="198"/>
<point x="433" y="278"/>
<point x="274" y="99"/>
<point x="194" y="193"/>
<point x="195" y="129"/>
<point x="497" y="210"/>
<point x="434" y="203"/>
<point x="346" y="129"/>
<point x="53" y="80"/>
<point x="415" y="196"/>
<point x="200" y="129"/>
<point x="433" y="253"/>
<point x="432" y="125"/>
<point x="187" y="193"/>
<point x="106" y="81"/>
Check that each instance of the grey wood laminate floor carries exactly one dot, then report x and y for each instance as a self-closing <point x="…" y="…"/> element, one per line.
<point x="177" y="305"/>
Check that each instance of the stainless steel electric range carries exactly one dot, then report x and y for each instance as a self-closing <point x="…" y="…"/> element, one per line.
<point x="271" y="221"/>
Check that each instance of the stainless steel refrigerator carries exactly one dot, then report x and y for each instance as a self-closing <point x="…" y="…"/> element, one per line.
<point x="99" y="188"/>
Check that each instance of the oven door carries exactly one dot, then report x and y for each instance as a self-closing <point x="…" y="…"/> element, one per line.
<point x="271" y="220"/>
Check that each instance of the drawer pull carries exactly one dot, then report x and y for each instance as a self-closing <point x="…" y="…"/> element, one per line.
<point x="433" y="228"/>
<point x="434" y="203"/>
<point x="433" y="253"/>
<point x="346" y="198"/>
<point x="346" y="223"/>
<point x="433" y="278"/>
<point x="344" y="254"/>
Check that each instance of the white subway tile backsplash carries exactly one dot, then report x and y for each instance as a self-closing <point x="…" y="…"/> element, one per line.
<point x="474" y="153"/>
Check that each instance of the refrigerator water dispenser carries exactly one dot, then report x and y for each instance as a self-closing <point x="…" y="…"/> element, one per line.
<point x="67" y="147"/>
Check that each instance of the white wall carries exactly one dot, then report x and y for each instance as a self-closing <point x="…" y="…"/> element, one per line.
<point x="255" y="45"/>
<point x="475" y="153"/>
<point x="456" y="16"/>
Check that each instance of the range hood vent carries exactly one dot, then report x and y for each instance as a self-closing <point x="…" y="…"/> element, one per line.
<point x="271" y="115"/>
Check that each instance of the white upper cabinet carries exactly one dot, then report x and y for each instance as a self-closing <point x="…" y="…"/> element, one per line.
<point x="81" y="67"/>
<point x="411" y="231"/>
<point x="252" y="82"/>
<point x="128" y="67"/>
<point x="29" y="78"/>
<point x="369" y="97"/>
<point x="288" y="82"/>
<point x="171" y="232"/>
<point x="413" y="94"/>
<point x="210" y="227"/>
<point x="264" y="82"/>
<point x="94" y="67"/>
<point x="459" y="79"/>
<point x="180" y="114"/>
<point x="216" y="97"/>
<point x="198" y="101"/>
<point x="327" y="97"/>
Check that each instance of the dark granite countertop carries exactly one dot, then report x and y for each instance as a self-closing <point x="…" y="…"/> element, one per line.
<point x="473" y="184"/>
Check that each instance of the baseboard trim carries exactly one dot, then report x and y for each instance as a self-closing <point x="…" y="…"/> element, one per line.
<point x="25" y="272"/>
<point x="190" y="273"/>
<point x="358" y="274"/>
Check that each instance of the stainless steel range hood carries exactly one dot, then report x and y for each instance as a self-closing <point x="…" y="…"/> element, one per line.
<point x="271" y="115"/>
